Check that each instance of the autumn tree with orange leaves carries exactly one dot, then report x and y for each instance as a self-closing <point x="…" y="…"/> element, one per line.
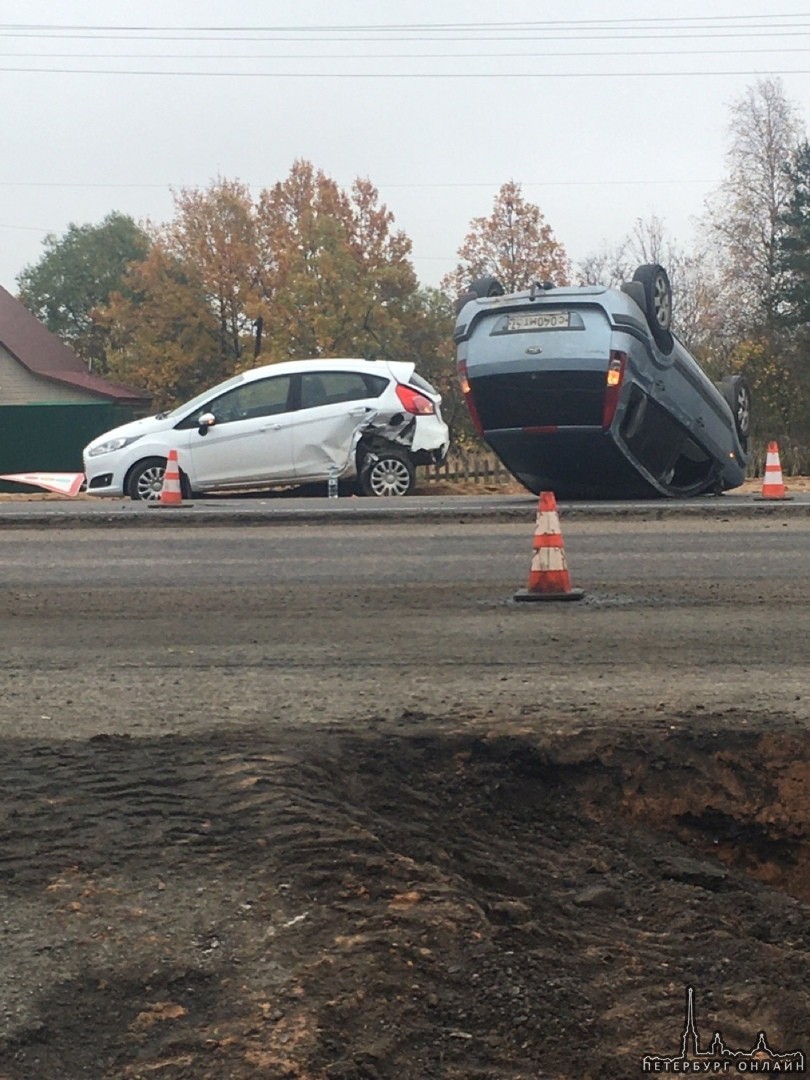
<point x="323" y="273"/>
<point x="336" y="277"/>
<point x="513" y="244"/>
<point x="184" y="319"/>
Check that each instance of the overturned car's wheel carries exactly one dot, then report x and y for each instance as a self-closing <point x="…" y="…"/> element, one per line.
<point x="657" y="302"/>
<point x="145" y="481"/>
<point x="480" y="289"/>
<point x="387" y="473"/>
<point x="486" y="286"/>
<point x="737" y="393"/>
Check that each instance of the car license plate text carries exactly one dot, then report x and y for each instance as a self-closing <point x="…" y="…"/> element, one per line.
<point x="546" y="320"/>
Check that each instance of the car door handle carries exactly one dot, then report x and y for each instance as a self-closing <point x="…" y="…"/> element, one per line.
<point x="358" y="412"/>
<point x="271" y="427"/>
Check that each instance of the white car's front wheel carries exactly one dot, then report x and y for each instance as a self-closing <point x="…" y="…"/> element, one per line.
<point x="145" y="481"/>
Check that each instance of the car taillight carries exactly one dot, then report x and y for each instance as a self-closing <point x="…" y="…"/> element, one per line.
<point x="466" y="390"/>
<point x="414" y="402"/>
<point x="615" y="374"/>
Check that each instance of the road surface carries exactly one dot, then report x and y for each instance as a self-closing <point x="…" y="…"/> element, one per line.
<point x="397" y="616"/>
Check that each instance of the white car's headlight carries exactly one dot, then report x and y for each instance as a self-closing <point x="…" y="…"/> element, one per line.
<point x="112" y="444"/>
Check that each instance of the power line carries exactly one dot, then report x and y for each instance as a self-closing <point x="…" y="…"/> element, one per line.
<point x="407" y="74"/>
<point x="482" y="27"/>
<point x="393" y="56"/>
<point x="26" y="228"/>
<point x="438" y="185"/>
<point x="380" y="186"/>
<point x="495" y="35"/>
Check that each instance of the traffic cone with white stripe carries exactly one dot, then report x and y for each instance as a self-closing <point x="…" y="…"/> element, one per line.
<point x="171" y="493"/>
<point x="548" y="575"/>
<point x="773" y="486"/>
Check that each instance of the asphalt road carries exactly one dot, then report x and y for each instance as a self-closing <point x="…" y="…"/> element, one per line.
<point x="476" y="554"/>
<point x="280" y="507"/>
<point x="178" y="629"/>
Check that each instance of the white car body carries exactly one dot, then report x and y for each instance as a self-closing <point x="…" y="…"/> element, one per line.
<point x="291" y="423"/>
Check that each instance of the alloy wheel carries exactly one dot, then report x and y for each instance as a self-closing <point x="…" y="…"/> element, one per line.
<point x="662" y="301"/>
<point x="389" y="476"/>
<point x="150" y="483"/>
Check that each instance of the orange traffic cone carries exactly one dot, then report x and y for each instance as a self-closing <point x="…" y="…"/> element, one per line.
<point x="773" y="486"/>
<point x="548" y="576"/>
<point x="171" y="493"/>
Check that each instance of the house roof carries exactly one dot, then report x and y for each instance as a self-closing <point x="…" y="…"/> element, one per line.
<point x="34" y="346"/>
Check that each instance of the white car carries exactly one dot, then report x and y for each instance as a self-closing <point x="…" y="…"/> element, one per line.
<point x="292" y="423"/>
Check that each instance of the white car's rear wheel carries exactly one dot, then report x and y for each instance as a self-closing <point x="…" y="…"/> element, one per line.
<point x="387" y="473"/>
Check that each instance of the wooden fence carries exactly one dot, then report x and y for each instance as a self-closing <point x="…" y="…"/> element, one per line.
<point x="480" y="467"/>
<point x="467" y="467"/>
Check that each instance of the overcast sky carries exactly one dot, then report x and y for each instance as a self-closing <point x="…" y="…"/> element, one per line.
<point x="604" y="113"/>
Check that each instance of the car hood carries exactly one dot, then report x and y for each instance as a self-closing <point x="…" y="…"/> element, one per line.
<point x="147" y="425"/>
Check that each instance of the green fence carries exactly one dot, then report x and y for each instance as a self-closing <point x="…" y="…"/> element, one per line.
<point x="50" y="438"/>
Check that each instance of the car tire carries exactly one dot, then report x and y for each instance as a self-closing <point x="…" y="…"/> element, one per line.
<point x="480" y="289"/>
<point x="387" y="473"/>
<point x="145" y="480"/>
<point x="657" y="303"/>
<point x="737" y="393"/>
<point x="486" y="286"/>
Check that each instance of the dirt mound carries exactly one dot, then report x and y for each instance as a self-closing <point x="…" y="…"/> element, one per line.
<point x="399" y="902"/>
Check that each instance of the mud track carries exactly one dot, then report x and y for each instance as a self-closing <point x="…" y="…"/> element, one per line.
<point x="399" y="901"/>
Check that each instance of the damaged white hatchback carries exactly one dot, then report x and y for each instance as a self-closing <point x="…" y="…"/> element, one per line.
<point x="370" y="422"/>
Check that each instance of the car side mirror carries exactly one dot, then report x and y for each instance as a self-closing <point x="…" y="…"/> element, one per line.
<point x="206" y="421"/>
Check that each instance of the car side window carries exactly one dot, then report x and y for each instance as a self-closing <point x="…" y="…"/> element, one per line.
<point x="333" y="387"/>
<point x="264" y="397"/>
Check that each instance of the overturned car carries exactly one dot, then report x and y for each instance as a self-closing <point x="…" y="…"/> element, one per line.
<point x="585" y="391"/>
<point x="364" y="421"/>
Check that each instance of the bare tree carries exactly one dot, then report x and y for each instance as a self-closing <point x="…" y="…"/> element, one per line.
<point x="647" y="242"/>
<point x="608" y="266"/>
<point x="743" y="216"/>
<point x="693" y="283"/>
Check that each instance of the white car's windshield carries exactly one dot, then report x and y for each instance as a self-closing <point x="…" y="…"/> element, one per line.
<point x="200" y="399"/>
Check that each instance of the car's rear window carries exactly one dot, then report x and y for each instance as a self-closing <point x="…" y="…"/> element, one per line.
<point x="326" y="387"/>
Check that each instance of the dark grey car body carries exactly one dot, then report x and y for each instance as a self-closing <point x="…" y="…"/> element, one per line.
<point x="536" y="369"/>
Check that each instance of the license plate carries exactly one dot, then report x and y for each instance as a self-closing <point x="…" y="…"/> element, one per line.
<point x="545" y="320"/>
